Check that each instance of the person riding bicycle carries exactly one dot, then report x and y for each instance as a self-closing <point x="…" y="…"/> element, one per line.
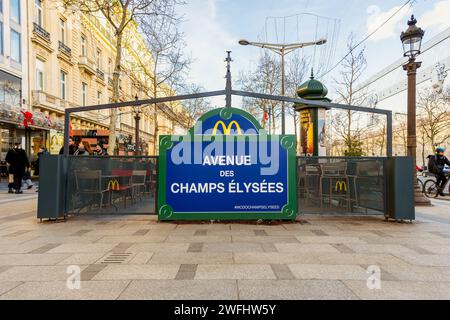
<point x="436" y="165"/>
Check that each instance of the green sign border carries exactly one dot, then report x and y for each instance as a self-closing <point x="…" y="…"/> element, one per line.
<point x="288" y="142"/>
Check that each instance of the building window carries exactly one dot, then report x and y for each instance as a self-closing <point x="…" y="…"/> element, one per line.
<point x="39" y="75"/>
<point x="63" y="85"/>
<point x="1" y="35"/>
<point x="110" y="67"/>
<point x="15" y="46"/>
<point x="84" y="93"/>
<point x="14" y="10"/>
<point x="62" y="31"/>
<point x="99" y="59"/>
<point x="38" y="16"/>
<point x="83" y="46"/>
<point x="99" y="97"/>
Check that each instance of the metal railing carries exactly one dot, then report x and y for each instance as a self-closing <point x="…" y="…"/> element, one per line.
<point x="111" y="185"/>
<point x="41" y="32"/>
<point x="64" y="49"/>
<point x="341" y="185"/>
<point x="100" y="74"/>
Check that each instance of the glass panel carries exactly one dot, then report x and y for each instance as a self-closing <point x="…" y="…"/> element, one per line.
<point x="15" y="46"/>
<point x="63" y="85"/>
<point x="14" y="10"/>
<point x="334" y="185"/>
<point x="38" y="13"/>
<point x="111" y="185"/>
<point x="62" y="24"/>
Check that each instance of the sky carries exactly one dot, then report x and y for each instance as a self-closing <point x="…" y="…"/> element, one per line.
<point x="212" y="27"/>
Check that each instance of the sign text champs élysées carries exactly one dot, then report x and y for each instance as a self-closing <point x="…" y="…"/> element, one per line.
<point x="227" y="168"/>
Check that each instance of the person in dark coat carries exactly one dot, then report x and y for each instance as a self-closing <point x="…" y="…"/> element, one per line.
<point x="18" y="163"/>
<point x="73" y="146"/>
<point x="42" y="151"/>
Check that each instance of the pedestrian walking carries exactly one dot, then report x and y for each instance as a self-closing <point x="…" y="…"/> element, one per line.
<point x="18" y="164"/>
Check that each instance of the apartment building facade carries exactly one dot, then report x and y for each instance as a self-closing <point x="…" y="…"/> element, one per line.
<point x="67" y="60"/>
<point x="13" y="74"/>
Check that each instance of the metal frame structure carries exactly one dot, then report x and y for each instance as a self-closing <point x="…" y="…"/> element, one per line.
<point x="228" y="93"/>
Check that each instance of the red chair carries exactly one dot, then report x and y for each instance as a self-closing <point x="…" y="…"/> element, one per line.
<point x="125" y="185"/>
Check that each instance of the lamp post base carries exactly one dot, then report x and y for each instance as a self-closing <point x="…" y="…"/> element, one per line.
<point x="419" y="197"/>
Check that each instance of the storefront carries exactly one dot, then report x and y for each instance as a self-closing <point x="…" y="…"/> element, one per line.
<point x="31" y="128"/>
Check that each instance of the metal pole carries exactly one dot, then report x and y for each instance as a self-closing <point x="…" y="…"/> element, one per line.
<point x="66" y="132"/>
<point x="389" y="134"/>
<point x="228" y="81"/>
<point x="411" y="71"/>
<point x="283" y="115"/>
<point x="137" y="151"/>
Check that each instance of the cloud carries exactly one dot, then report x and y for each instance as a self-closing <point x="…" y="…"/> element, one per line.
<point x="437" y="17"/>
<point x="207" y="40"/>
<point x="392" y="28"/>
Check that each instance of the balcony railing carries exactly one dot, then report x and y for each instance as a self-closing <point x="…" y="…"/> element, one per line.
<point x="41" y="32"/>
<point x="64" y="49"/>
<point x="100" y="74"/>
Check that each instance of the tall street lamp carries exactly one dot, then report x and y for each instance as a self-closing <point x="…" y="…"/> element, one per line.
<point x="412" y="41"/>
<point x="282" y="50"/>
<point x="137" y="118"/>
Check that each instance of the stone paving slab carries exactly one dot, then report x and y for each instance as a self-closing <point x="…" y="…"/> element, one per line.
<point x="36" y="273"/>
<point x="305" y="247"/>
<point x="6" y="286"/>
<point x="31" y="259"/>
<point x="83" y="248"/>
<point x="330" y="272"/>
<point x="81" y="258"/>
<point x="274" y="257"/>
<point x="294" y="290"/>
<point x="359" y="258"/>
<point x="56" y="290"/>
<point x="181" y="290"/>
<point x="191" y="257"/>
<point x="137" y="272"/>
<point x="232" y="247"/>
<point x="234" y="271"/>
<point x="408" y="290"/>
<point x="158" y="247"/>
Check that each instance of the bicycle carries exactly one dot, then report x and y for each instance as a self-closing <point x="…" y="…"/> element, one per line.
<point x="430" y="188"/>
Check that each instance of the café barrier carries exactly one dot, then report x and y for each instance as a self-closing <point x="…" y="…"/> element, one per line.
<point x="79" y="185"/>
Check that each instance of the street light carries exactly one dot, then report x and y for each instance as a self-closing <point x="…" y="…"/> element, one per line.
<point x="137" y="117"/>
<point x="412" y="41"/>
<point x="282" y="50"/>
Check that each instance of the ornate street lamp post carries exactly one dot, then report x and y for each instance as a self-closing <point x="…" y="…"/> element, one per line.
<point x="412" y="41"/>
<point x="137" y="117"/>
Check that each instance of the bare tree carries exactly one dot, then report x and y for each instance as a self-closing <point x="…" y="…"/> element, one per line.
<point x="434" y="112"/>
<point x="265" y="78"/>
<point x="194" y="108"/>
<point x="347" y="124"/>
<point x="170" y="64"/>
<point x="295" y="76"/>
<point x="119" y="14"/>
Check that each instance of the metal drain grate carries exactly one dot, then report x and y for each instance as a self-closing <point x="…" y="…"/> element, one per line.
<point x="116" y="257"/>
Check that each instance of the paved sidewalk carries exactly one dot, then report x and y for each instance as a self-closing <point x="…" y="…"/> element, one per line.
<point x="135" y="257"/>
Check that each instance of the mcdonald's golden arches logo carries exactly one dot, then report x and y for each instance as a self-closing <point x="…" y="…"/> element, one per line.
<point x="341" y="185"/>
<point x="113" y="185"/>
<point x="226" y="130"/>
